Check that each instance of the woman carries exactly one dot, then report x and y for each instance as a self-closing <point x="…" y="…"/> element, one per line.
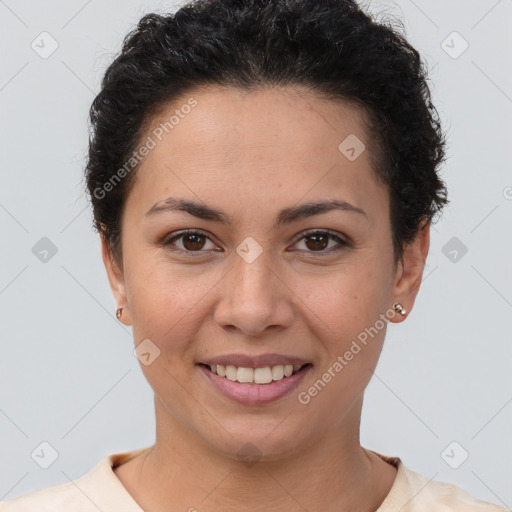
<point x="263" y="177"/>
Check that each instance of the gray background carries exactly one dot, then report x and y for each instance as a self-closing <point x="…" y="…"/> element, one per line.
<point x="68" y="374"/>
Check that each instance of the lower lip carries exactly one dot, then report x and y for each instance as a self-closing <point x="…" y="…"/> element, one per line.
<point x="255" y="394"/>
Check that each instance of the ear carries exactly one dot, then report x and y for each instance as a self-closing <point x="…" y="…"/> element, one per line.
<point x="409" y="272"/>
<point x="116" y="280"/>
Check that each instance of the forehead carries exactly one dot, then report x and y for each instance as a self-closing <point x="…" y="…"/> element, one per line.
<point x="268" y="116"/>
<point x="234" y="144"/>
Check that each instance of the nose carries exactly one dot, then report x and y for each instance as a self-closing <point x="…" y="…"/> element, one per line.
<point x="254" y="298"/>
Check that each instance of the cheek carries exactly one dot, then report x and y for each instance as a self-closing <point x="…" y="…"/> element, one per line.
<point x="346" y="299"/>
<point x="352" y="333"/>
<point x="167" y="302"/>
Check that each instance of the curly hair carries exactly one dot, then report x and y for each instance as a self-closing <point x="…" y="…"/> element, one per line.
<point x="330" y="47"/>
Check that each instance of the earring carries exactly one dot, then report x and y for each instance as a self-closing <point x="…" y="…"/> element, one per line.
<point x="119" y="312"/>
<point x="399" y="308"/>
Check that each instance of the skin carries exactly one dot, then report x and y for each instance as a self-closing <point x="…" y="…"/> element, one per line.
<point x="251" y="155"/>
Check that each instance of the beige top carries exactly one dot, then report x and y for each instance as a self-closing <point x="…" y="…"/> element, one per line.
<point x="100" y="489"/>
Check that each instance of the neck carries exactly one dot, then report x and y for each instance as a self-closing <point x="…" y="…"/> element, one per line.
<point x="332" y="473"/>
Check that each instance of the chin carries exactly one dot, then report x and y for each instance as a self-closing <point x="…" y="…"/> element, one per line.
<point x="253" y="440"/>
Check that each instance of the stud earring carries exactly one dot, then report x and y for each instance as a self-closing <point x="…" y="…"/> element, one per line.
<point x="399" y="308"/>
<point x="119" y="312"/>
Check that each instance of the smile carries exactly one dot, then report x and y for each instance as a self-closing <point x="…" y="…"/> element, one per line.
<point x="264" y="375"/>
<point x="255" y="386"/>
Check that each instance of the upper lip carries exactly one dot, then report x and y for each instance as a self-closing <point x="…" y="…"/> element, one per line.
<point x="260" y="361"/>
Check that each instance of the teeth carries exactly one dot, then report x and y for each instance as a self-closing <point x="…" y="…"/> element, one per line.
<point x="262" y="375"/>
<point x="245" y="375"/>
<point x="277" y="372"/>
<point x="231" y="372"/>
<point x="255" y="375"/>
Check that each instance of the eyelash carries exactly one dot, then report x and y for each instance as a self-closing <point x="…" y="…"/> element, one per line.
<point x="342" y="244"/>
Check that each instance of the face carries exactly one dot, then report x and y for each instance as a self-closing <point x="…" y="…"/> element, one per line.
<point x="262" y="280"/>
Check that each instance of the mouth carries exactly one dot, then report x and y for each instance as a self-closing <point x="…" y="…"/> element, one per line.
<point x="255" y="386"/>
<point x="257" y="376"/>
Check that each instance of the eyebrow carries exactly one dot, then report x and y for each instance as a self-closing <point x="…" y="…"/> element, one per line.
<point x="285" y="216"/>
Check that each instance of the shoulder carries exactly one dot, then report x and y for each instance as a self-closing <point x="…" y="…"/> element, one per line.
<point x="414" y="492"/>
<point x="433" y="495"/>
<point x="56" y="498"/>
<point x="99" y="489"/>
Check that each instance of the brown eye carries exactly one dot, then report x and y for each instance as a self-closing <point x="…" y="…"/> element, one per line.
<point x="318" y="241"/>
<point x="193" y="241"/>
<point x="189" y="242"/>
